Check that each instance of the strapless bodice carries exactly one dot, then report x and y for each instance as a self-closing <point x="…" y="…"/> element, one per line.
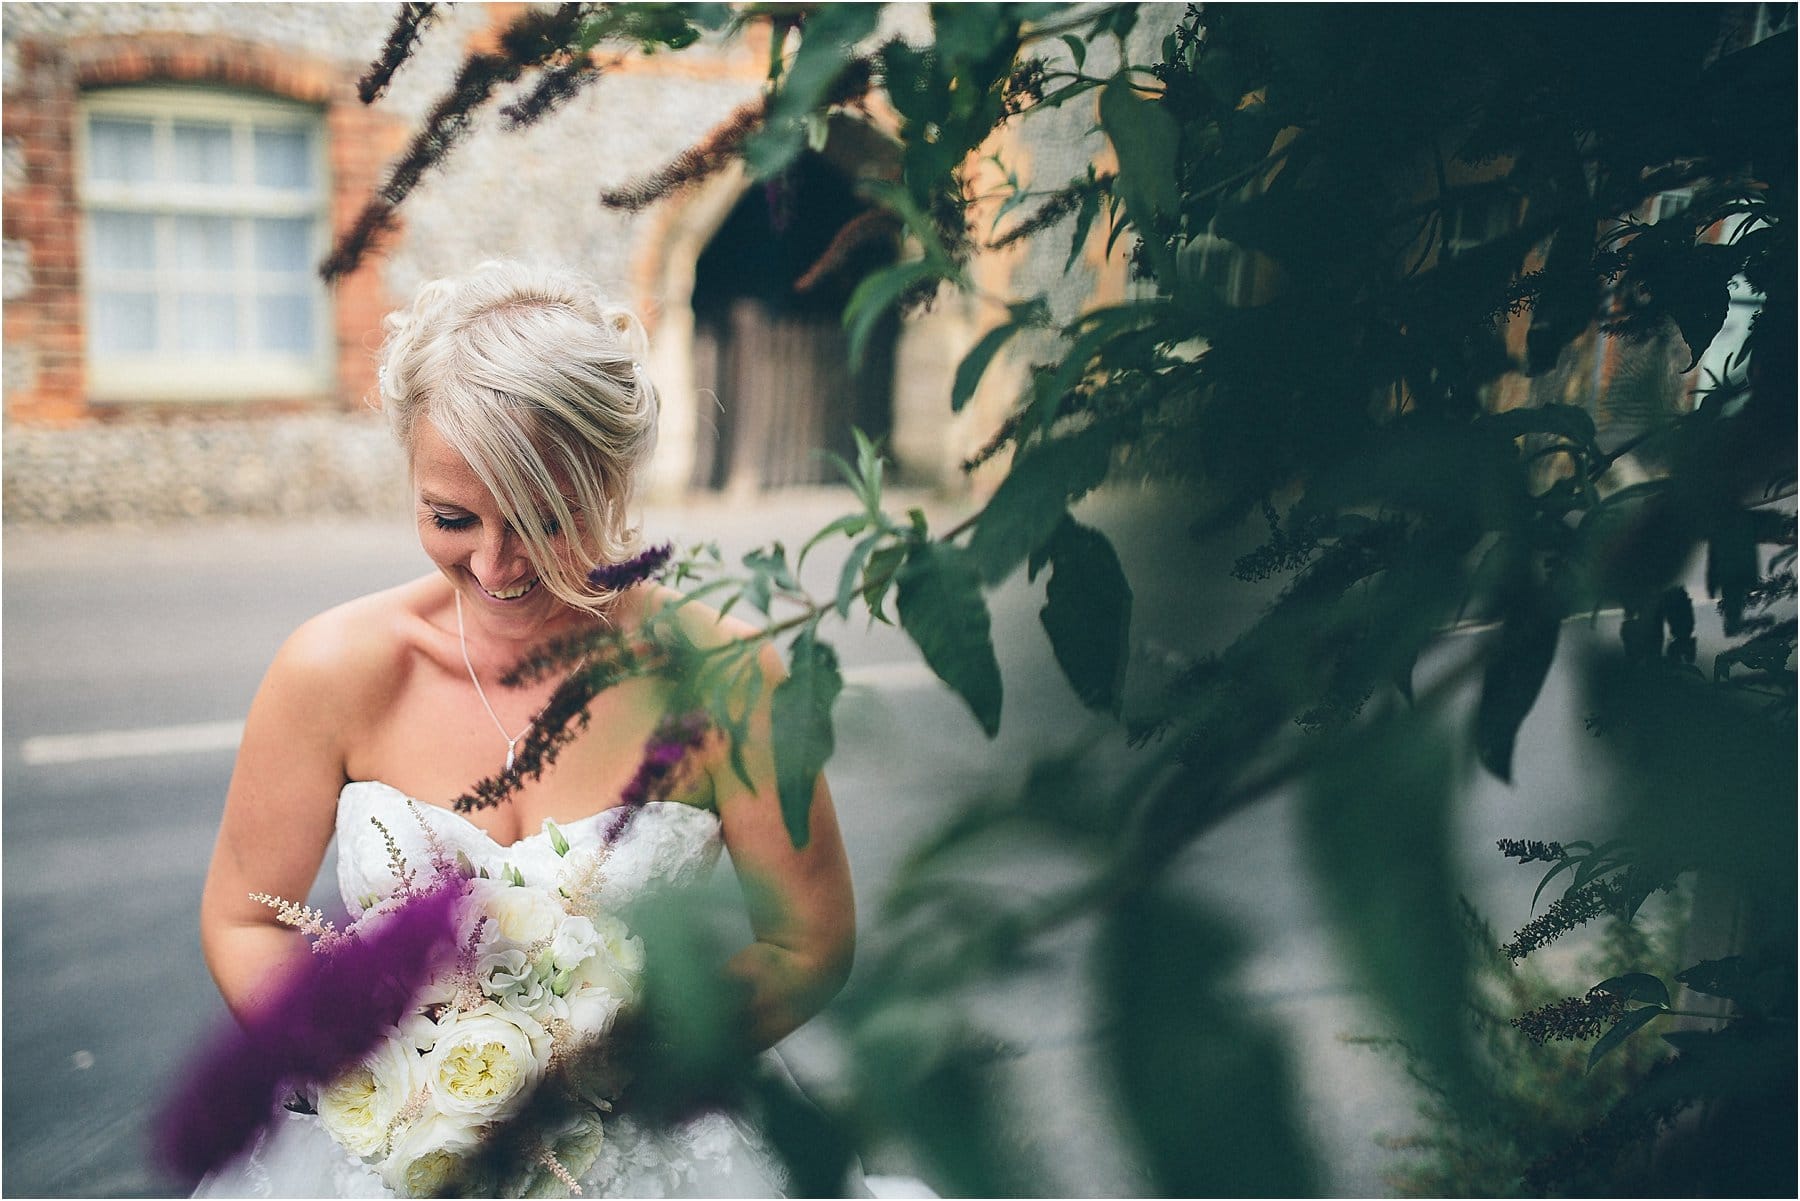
<point x="664" y="842"/>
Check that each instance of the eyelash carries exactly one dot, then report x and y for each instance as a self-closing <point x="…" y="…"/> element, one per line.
<point x="552" y="527"/>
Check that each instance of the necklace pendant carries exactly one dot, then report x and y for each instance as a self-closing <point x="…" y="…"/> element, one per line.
<point x="509" y="756"/>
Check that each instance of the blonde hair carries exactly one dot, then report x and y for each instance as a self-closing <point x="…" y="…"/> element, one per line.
<point x="534" y="378"/>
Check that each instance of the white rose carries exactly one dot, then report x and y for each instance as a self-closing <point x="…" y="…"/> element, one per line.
<point x="357" y="1107"/>
<point x="591" y="1009"/>
<point x="519" y="915"/>
<point x="617" y="962"/>
<point x="430" y="1154"/>
<point x="486" y="1062"/>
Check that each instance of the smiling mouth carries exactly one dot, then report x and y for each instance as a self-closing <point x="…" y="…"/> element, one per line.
<point x="517" y="592"/>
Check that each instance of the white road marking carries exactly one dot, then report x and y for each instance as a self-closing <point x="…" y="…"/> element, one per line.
<point x="124" y="744"/>
<point x="206" y="736"/>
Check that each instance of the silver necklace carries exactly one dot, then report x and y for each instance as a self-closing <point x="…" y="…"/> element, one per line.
<point x="512" y="740"/>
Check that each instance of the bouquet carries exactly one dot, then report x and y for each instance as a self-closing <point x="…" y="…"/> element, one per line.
<point x="540" y="976"/>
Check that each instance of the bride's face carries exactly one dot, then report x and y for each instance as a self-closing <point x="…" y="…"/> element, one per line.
<point x="462" y="530"/>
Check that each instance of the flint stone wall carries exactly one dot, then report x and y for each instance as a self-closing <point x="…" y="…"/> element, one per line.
<point x="306" y="465"/>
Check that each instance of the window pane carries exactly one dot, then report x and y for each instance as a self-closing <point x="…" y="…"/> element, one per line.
<point x="123" y="323"/>
<point x="285" y="323"/>
<point x="121" y="151"/>
<point x="284" y="244"/>
<point x="206" y="322"/>
<point x="123" y="241"/>
<point x="203" y="243"/>
<point x="202" y="153"/>
<point x="283" y="159"/>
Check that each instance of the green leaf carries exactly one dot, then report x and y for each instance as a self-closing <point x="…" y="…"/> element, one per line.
<point x="1731" y="566"/>
<point x="1147" y="140"/>
<point x="826" y="46"/>
<point x="1203" y="1078"/>
<point x="1376" y="822"/>
<point x="853" y="566"/>
<point x="800" y="711"/>
<point x="941" y="607"/>
<point x="1636" y="986"/>
<point x="876" y="295"/>
<point x="1084" y="221"/>
<point x="879" y="576"/>
<point x="773" y="564"/>
<point x="1623" y="1029"/>
<point x="1030" y="502"/>
<point x="1077" y="49"/>
<point x="975" y="363"/>
<point x="851" y="524"/>
<point x="1568" y="421"/>
<point x="1550" y="875"/>
<point x="869" y="467"/>
<point x="1099" y="328"/>
<point x="1515" y="674"/>
<point x="918" y="222"/>
<point x="844" y="469"/>
<point x="1087" y="614"/>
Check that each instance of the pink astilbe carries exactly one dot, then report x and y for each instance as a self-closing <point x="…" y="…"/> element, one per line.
<point x="468" y="979"/>
<point x="405" y="879"/>
<point x="309" y="921"/>
<point x="326" y="1014"/>
<point x="554" y="1166"/>
<point x="443" y="865"/>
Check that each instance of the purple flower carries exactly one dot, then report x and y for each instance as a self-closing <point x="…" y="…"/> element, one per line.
<point x="664" y="754"/>
<point x="619" y="576"/>
<point x="326" y="1015"/>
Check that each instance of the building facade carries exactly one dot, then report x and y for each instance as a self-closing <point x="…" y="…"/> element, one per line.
<point x="174" y="173"/>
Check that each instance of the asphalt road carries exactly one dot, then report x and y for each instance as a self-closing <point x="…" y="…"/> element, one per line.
<point x="134" y="630"/>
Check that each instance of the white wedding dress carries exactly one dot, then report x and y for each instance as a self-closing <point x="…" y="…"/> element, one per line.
<point x="714" y="1155"/>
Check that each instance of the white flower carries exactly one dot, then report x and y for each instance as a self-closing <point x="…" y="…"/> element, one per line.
<point x="617" y="961"/>
<point x="508" y="976"/>
<point x="357" y="1107"/>
<point x="430" y="1154"/>
<point x="605" y="981"/>
<point x="521" y="915"/>
<point x="486" y="1062"/>
<point x="536" y="859"/>
<point x="575" y="940"/>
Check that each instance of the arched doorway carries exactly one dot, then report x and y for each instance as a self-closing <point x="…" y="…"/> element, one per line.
<point x="771" y="363"/>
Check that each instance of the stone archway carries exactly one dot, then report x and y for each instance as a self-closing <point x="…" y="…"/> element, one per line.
<point x="666" y="285"/>
<point x="684" y="334"/>
<point x="769" y="339"/>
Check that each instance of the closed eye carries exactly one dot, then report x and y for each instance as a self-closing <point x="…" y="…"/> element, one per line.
<point x="444" y="522"/>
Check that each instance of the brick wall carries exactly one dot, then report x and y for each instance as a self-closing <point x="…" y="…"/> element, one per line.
<point x="43" y="331"/>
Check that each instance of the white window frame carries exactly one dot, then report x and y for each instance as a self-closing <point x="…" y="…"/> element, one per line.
<point x="168" y="374"/>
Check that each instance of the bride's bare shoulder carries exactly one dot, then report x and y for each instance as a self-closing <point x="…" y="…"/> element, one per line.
<point x="363" y="644"/>
<point x="706" y="627"/>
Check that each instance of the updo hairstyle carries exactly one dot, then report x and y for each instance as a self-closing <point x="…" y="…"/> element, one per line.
<point x="539" y="382"/>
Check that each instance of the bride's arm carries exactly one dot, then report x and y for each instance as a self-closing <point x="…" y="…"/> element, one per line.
<point x="278" y="814"/>
<point x="802" y="910"/>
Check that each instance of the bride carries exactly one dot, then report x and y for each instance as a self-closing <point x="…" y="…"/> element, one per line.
<point x="525" y="410"/>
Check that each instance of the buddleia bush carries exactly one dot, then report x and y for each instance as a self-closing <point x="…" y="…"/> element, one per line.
<point x="1378" y="252"/>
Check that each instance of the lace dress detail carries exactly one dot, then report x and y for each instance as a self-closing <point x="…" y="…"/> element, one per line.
<point x="713" y="1155"/>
